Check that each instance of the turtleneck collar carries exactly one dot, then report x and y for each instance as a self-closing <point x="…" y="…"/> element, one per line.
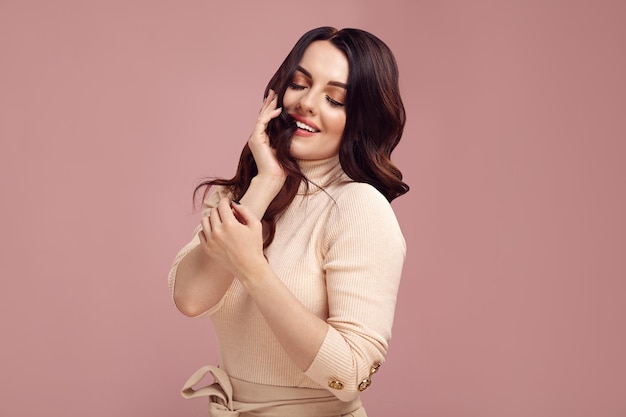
<point x="320" y="173"/>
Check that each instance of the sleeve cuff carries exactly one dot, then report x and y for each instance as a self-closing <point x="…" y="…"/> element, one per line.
<point x="342" y="381"/>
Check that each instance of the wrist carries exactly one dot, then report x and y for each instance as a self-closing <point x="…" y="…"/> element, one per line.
<point x="254" y="273"/>
<point x="271" y="183"/>
<point x="263" y="189"/>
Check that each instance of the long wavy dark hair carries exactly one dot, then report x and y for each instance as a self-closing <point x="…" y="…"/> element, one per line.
<point x="375" y="120"/>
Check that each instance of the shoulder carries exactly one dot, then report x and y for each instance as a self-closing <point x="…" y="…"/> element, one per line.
<point x="361" y="198"/>
<point x="361" y="210"/>
<point x="363" y="227"/>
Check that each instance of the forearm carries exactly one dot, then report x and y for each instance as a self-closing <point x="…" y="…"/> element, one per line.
<point x="300" y="332"/>
<point x="201" y="280"/>
<point x="200" y="283"/>
<point x="261" y="192"/>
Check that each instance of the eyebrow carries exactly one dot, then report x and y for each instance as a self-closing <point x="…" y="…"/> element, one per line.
<point x="308" y="74"/>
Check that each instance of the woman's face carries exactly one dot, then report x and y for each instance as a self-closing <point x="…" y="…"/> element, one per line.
<point x="315" y="98"/>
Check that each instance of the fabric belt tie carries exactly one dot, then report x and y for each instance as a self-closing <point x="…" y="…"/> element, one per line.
<point x="303" y="402"/>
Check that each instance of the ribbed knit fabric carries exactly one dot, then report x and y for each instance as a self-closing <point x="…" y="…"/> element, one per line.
<point x="339" y="249"/>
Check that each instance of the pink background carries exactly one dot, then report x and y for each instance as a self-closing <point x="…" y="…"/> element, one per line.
<point x="513" y="295"/>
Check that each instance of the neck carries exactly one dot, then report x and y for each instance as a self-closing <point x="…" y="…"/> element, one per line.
<point x="319" y="172"/>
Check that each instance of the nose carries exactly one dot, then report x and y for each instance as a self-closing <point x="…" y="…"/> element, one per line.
<point x="306" y="103"/>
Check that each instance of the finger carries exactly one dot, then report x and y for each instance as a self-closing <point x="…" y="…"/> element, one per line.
<point x="206" y="228"/>
<point x="268" y="114"/>
<point x="269" y="101"/>
<point x="269" y="110"/>
<point x="244" y="214"/>
<point x="215" y="219"/>
<point x="271" y="96"/>
<point x="202" y="237"/>
<point x="225" y="212"/>
<point x="265" y="117"/>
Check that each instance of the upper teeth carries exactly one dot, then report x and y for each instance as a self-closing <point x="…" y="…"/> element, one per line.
<point x="304" y="126"/>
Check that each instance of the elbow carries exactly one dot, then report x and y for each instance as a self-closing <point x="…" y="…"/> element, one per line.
<point x="188" y="311"/>
<point x="188" y="308"/>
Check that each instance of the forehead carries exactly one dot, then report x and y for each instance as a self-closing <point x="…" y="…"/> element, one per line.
<point x="326" y="62"/>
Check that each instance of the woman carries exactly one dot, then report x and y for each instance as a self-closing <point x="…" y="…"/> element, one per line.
<point x="298" y="258"/>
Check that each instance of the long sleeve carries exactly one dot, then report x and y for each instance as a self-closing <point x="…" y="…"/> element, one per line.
<point x="365" y="251"/>
<point x="339" y="249"/>
<point x="211" y="201"/>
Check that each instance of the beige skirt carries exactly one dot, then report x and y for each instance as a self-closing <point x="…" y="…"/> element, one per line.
<point x="230" y="397"/>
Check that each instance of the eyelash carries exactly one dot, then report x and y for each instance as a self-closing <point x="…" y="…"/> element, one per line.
<point x="296" y="86"/>
<point x="332" y="102"/>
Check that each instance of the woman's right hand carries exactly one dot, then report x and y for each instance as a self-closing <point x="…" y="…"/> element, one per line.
<point x="259" y="142"/>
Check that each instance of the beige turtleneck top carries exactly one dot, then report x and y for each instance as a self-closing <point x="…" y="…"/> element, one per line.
<point x="339" y="249"/>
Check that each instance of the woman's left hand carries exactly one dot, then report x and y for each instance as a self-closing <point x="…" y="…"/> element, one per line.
<point x="235" y="236"/>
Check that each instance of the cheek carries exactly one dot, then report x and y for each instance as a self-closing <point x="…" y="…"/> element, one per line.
<point x="339" y="123"/>
<point x="289" y="99"/>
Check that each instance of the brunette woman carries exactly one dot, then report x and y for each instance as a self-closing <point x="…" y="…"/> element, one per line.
<point x="298" y="257"/>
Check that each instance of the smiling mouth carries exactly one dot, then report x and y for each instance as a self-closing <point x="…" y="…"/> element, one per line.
<point x="305" y="127"/>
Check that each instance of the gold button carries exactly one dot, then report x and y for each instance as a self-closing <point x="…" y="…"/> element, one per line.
<point x="364" y="384"/>
<point x="374" y="368"/>
<point x="335" y="385"/>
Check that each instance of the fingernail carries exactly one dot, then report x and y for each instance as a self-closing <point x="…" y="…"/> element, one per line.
<point x="236" y="202"/>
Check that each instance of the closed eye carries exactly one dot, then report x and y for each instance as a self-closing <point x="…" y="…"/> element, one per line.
<point x="296" y="86"/>
<point x="334" y="103"/>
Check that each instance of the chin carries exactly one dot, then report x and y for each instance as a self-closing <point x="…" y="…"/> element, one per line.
<point x="311" y="155"/>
